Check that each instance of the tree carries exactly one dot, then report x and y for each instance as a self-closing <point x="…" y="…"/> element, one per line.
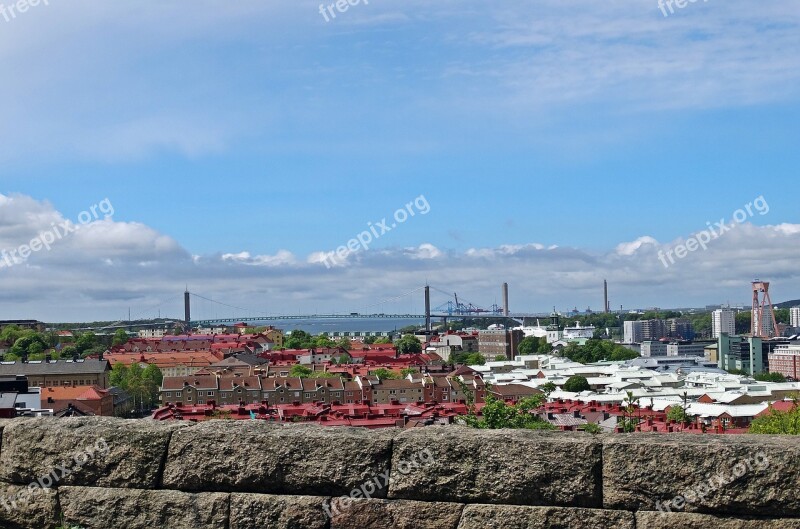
<point x="592" y="428"/>
<point x="770" y="377"/>
<point x="678" y="414"/>
<point x="628" y="421"/>
<point x="120" y="338"/>
<point x="298" y="340"/>
<point x="408" y="371"/>
<point x="598" y="351"/>
<point x="548" y="388"/>
<point x="344" y="343"/>
<point x="384" y="374"/>
<point x="324" y="374"/>
<point x="408" y="344"/>
<point x="497" y="414"/>
<point x="383" y="341"/>
<point x="343" y="360"/>
<point x="85" y="342"/>
<point x="576" y="384"/>
<point x="778" y="422"/>
<point x="500" y="358"/>
<point x="299" y="371"/>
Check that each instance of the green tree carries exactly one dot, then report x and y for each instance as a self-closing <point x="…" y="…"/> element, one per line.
<point x="592" y="428"/>
<point x="299" y="371"/>
<point x="678" y="414"/>
<point x="298" y="339"/>
<point x="576" y="384"/>
<point x="497" y="414"/>
<point x="344" y="343"/>
<point x="597" y="350"/>
<point x="85" y="342"/>
<point x="384" y="374"/>
<point x="500" y="358"/>
<point x="12" y="333"/>
<point x="408" y="371"/>
<point x="383" y="341"/>
<point x="628" y="420"/>
<point x="778" y="422"/>
<point x="770" y="377"/>
<point x="409" y="344"/>
<point x="548" y="388"/>
<point x="120" y="338"/>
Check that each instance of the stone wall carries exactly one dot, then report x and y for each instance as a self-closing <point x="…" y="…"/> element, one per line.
<point x="109" y="473"/>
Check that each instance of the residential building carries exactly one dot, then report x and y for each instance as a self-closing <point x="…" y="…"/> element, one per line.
<point x="43" y="373"/>
<point x="723" y="321"/>
<point x="654" y="329"/>
<point x="794" y="316"/>
<point x="785" y="359"/>
<point x="500" y="342"/>
<point x="89" y="400"/>
<point x="633" y="332"/>
<point x="680" y="328"/>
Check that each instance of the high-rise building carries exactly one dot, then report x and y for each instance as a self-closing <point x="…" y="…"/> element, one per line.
<point x="723" y="321"/>
<point x="632" y="332"/>
<point x="794" y="316"/>
<point x="681" y="328"/>
<point x="740" y="352"/>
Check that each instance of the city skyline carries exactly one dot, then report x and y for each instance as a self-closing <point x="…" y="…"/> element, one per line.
<point x="554" y="145"/>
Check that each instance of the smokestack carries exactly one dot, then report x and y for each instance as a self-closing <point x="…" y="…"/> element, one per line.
<point x="188" y="310"/>
<point x="427" y="310"/>
<point x="505" y="299"/>
<point x="606" y="307"/>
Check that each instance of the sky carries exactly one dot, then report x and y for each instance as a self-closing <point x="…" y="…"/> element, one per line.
<point x="233" y="147"/>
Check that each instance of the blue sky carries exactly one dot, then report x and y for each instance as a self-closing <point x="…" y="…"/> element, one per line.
<point x="254" y="136"/>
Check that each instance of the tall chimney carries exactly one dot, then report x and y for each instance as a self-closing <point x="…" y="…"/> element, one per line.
<point x="505" y="299"/>
<point x="606" y="308"/>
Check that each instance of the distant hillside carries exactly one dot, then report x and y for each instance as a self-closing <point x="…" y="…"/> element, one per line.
<point x="788" y="304"/>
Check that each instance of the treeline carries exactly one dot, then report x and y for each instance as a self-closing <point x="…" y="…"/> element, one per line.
<point x="33" y="345"/>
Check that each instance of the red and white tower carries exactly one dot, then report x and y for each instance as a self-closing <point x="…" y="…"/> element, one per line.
<point x="764" y="324"/>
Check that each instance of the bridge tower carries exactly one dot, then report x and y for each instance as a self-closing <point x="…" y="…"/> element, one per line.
<point x="427" y="310"/>
<point x="187" y="307"/>
<point x="505" y="299"/>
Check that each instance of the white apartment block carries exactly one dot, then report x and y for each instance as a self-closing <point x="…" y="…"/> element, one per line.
<point x="723" y="321"/>
<point x="794" y="314"/>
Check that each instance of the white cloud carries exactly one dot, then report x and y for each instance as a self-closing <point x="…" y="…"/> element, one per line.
<point x="109" y="266"/>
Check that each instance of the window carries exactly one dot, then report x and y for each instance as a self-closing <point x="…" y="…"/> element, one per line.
<point x="177" y="393"/>
<point x="210" y="393"/>
<point x="189" y="398"/>
<point x="308" y="395"/>
<point x="169" y="394"/>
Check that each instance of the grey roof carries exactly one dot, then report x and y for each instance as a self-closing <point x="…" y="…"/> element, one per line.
<point x="57" y="367"/>
<point x="8" y="401"/>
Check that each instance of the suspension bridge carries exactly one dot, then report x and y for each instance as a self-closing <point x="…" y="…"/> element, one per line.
<point x="453" y="308"/>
